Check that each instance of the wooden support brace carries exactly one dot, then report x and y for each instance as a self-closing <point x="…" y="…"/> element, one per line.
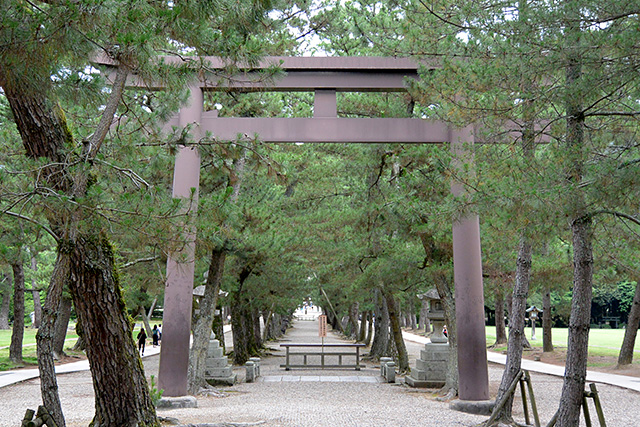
<point x="534" y="408"/>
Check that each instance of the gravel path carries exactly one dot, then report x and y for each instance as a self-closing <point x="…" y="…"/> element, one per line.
<point x="337" y="401"/>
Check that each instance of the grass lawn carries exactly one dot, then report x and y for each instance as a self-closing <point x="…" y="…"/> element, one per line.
<point x="28" y="347"/>
<point x="602" y="342"/>
<point x="604" y="347"/>
<point x="29" y="344"/>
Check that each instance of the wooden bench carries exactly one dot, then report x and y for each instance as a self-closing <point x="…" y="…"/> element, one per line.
<point x="320" y="350"/>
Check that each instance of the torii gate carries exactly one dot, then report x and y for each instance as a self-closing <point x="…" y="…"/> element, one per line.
<point x="325" y="76"/>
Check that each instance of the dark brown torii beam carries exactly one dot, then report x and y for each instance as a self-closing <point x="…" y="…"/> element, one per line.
<point x="325" y="76"/>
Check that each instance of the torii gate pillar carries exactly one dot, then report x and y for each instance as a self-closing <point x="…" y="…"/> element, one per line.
<point x="473" y="376"/>
<point x="178" y="292"/>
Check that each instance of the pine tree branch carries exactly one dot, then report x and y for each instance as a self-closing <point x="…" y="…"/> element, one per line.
<point x="33" y="221"/>
<point x="134" y="177"/>
<point x="616" y="214"/>
<point x="134" y="262"/>
<point x="96" y="140"/>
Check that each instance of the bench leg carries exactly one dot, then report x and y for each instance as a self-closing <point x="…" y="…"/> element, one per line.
<point x="357" y="358"/>
<point x="287" y="368"/>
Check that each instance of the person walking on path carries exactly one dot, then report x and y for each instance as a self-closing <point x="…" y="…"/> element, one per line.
<point x="155" y="335"/>
<point x="142" y="337"/>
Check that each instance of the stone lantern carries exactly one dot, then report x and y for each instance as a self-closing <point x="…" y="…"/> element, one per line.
<point x="436" y="315"/>
<point x="431" y="367"/>
<point x="534" y="314"/>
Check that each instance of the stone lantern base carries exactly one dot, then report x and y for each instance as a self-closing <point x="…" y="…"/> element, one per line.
<point x="218" y="371"/>
<point x="431" y="368"/>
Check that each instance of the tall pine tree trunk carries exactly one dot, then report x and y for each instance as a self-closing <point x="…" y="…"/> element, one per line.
<point x="256" y="334"/>
<point x="121" y="390"/>
<point x="45" y="339"/>
<point x="15" y="349"/>
<point x="501" y="333"/>
<point x="5" y="302"/>
<point x="380" y="344"/>
<point x="394" y="320"/>
<point x="516" y="330"/>
<point x="242" y="322"/>
<point x="202" y="326"/>
<point x="242" y="329"/>
<point x="547" y="339"/>
<point x="581" y="225"/>
<point x="352" y="325"/>
<point x="424" y="312"/>
<point x="60" y="326"/>
<point x="626" y="351"/>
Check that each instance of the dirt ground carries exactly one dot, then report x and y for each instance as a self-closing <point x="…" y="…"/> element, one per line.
<point x="606" y="364"/>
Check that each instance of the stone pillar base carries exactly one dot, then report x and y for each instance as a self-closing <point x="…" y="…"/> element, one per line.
<point x="477" y="407"/>
<point x="177" y="402"/>
<point x="431" y="368"/>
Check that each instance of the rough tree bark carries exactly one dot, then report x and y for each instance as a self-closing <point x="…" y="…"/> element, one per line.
<point x="501" y="334"/>
<point x="257" y="331"/>
<point x="242" y="323"/>
<point x="626" y="351"/>
<point x="6" y="301"/>
<point x="107" y="332"/>
<point x="45" y="338"/>
<point x="202" y="326"/>
<point x="380" y="344"/>
<point x="394" y="320"/>
<point x="352" y="326"/>
<point x="17" y="334"/>
<point x="547" y="339"/>
<point x="242" y="327"/>
<point x="60" y="326"/>
<point x="516" y="332"/>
